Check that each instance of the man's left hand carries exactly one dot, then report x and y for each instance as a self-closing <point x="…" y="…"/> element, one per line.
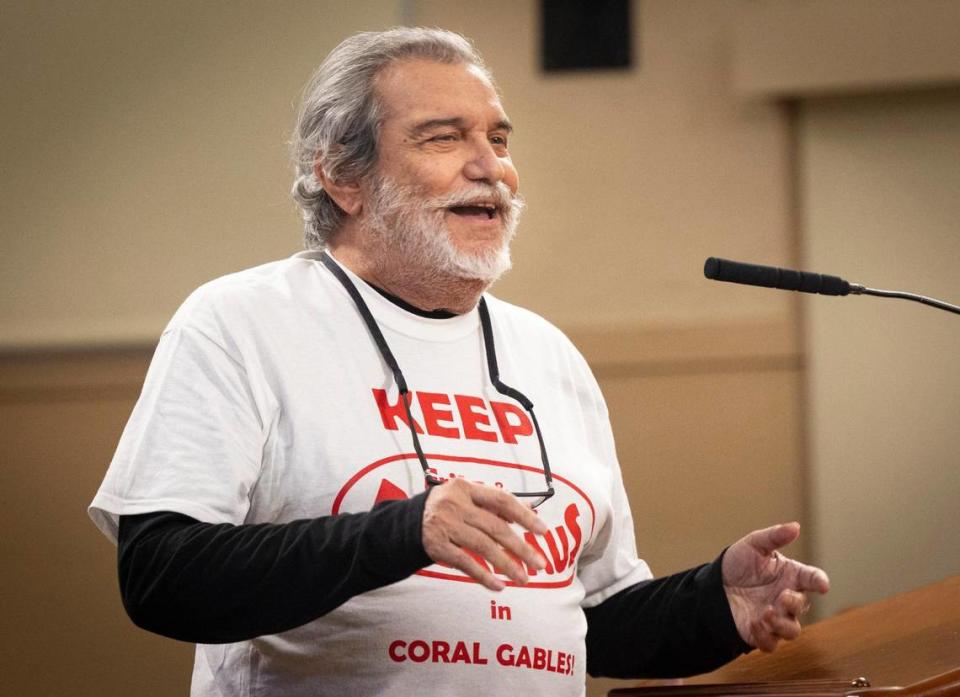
<point x="767" y="591"/>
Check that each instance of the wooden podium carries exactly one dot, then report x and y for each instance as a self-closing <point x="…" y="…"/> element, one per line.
<point x="905" y="645"/>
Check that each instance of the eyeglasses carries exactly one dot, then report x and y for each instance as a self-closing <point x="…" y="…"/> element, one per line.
<point x="537" y="497"/>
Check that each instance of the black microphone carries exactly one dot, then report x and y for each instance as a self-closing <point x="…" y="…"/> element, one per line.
<point x="773" y="277"/>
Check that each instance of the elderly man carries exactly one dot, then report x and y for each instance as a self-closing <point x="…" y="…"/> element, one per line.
<point x="336" y="481"/>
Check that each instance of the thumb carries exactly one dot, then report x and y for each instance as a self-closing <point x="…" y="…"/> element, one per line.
<point x="769" y="540"/>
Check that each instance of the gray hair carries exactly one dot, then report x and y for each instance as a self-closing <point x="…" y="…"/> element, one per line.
<point x="340" y="115"/>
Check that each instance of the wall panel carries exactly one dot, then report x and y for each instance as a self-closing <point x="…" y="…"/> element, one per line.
<point x="882" y="194"/>
<point x="62" y="416"/>
<point x="707" y="436"/>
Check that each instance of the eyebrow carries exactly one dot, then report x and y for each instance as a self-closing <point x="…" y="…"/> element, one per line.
<point x="456" y="122"/>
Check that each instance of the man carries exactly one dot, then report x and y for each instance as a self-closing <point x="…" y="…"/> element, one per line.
<point x="353" y="472"/>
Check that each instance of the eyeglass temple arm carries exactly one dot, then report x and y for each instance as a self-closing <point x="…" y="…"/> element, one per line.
<point x="505" y="389"/>
<point x="385" y="351"/>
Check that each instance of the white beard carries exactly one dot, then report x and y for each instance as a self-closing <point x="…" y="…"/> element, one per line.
<point x="413" y="239"/>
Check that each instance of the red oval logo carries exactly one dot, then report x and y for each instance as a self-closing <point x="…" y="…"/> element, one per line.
<point x="399" y="477"/>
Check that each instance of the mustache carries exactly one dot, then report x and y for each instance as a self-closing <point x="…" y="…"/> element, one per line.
<point x="498" y="194"/>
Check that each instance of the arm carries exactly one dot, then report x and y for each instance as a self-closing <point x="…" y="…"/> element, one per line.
<point x="218" y="583"/>
<point x="672" y="626"/>
<point x="697" y="620"/>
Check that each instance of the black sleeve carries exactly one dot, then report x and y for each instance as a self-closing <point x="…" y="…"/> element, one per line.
<point x="219" y="583"/>
<point x="669" y="627"/>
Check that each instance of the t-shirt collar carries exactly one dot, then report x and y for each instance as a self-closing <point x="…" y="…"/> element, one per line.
<point x="401" y="316"/>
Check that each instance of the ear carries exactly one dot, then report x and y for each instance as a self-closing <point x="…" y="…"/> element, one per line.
<point x="347" y="195"/>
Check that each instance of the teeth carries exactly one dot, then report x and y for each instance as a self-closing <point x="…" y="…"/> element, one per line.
<point x="489" y="208"/>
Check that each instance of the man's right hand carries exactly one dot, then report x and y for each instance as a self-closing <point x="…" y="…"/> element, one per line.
<point x="461" y="516"/>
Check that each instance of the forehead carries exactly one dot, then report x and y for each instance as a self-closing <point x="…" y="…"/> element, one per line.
<point x="416" y="90"/>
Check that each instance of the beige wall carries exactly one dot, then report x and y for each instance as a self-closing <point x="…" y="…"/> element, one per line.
<point x="634" y="177"/>
<point x="818" y="47"/>
<point x="882" y="186"/>
<point x="144" y="152"/>
<point x="147" y="146"/>
<point x="169" y="168"/>
<point x="63" y="624"/>
<point x="148" y="142"/>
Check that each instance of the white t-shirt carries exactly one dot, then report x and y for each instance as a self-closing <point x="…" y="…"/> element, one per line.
<point x="267" y="401"/>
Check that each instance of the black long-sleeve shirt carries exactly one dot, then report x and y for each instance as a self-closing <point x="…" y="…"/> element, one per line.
<point x="220" y="583"/>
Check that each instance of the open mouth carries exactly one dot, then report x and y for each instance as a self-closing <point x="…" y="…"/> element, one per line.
<point x="483" y="210"/>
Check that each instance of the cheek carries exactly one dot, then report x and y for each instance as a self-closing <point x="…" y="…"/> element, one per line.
<point x="510" y="176"/>
<point x="436" y="178"/>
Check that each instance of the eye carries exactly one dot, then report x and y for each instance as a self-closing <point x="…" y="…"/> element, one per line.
<point x="499" y="140"/>
<point x="443" y="138"/>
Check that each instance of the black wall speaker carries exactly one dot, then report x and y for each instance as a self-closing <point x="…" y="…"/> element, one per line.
<point x="585" y="34"/>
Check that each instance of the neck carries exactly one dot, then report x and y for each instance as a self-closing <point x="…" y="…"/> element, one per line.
<point x="425" y="289"/>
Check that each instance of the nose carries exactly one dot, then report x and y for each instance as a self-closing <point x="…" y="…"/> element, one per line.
<point x="483" y="164"/>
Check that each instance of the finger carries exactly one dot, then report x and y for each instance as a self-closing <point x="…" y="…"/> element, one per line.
<point x="458" y="559"/>
<point x="810" y="578"/>
<point x="451" y="518"/>
<point x="500" y="531"/>
<point x="763" y="638"/>
<point x="792" y="603"/>
<point x="477" y="541"/>
<point x="781" y="626"/>
<point x="507" y="506"/>
<point x="769" y="540"/>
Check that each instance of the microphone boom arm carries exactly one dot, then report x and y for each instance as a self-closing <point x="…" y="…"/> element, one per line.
<point x="857" y="289"/>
